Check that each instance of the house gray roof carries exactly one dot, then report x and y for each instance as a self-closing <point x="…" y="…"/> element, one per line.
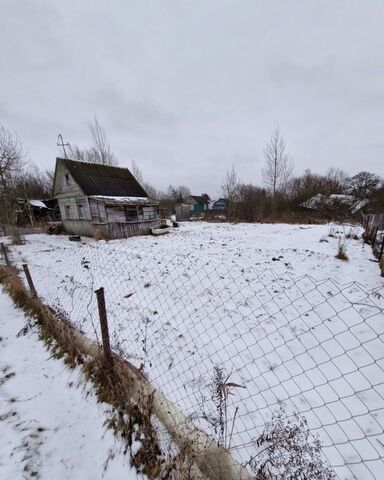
<point x="198" y="199"/>
<point x="98" y="179"/>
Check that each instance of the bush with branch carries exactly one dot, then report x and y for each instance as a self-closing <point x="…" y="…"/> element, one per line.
<point x="288" y="451"/>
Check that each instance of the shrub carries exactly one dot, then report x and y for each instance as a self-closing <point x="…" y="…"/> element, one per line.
<point x="341" y="253"/>
<point x="353" y="233"/>
<point x="288" y="451"/>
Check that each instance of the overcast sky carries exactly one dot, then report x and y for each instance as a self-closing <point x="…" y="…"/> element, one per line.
<point x="188" y="88"/>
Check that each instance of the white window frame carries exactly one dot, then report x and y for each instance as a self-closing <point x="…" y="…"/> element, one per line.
<point x="81" y="211"/>
<point x="67" y="210"/>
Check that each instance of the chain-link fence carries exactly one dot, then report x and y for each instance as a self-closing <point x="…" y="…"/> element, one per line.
<point x="230" y="344"/>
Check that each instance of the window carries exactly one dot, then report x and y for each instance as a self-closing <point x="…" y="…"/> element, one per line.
<point x="130" y="214"/>
<point x="67" y="209"/>
<point x="67" y="182"/>
<point x="150" y="213"/>
<point x="80" y="210"/>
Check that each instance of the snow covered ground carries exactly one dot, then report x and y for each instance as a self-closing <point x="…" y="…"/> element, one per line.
<point x="50" y="426"/>
<point x="268" y="303"/>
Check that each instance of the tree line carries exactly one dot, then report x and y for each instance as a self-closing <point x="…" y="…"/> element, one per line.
<point x="282" y="194"/>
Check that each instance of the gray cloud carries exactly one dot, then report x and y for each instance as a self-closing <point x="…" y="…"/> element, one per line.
<point x="188" y="88"/>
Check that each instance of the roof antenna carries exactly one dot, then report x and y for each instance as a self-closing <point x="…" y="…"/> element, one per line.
<point x="62" y="144"/>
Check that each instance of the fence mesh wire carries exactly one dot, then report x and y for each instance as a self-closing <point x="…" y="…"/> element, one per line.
<point x="308" y="346"/>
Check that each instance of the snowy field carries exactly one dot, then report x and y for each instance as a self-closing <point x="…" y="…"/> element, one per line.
<point x="51" y="427"/>
<point x="270" y="304"/>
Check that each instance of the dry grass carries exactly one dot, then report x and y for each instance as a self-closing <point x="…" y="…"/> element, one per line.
<point x="100" y="235"/>
<point x="341" y="254"/>
<point x="130" y="420"/>
<point x="17" y="238"/>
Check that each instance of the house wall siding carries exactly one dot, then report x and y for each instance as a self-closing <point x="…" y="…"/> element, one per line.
<point x="125" y="230"/>
<point x="98" y="212"/>
<point x="182" y="212"/>
<point x="79" y="227"/>
<point x="115" y="214"/>
<point x="73" y="203"/>
<point x="61" y="189"/>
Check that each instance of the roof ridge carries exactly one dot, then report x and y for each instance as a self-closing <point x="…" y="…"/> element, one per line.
<point x="92" y="163"/>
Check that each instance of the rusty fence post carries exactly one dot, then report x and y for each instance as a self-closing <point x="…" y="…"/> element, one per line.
<point x="5" y="255"/>
<point x="29" y="280"/>
<point x="104" y="327"/>
<point x="374" y="237"/>
<point x="382" y="248"/>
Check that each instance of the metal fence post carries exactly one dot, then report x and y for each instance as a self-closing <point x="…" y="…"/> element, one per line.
<point x="382" y="248"/>
<point x="5" y="254"/>
<point x="374" y="237"/>
<point x="29" y="280"/>
<point x="104" y="327"/>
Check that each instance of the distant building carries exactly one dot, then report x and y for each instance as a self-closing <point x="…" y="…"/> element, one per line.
<point x="197" y="204"/>
<point x="335" y="202"/>
<point x="220" y="204"/>
<point x="101" y="198"/>
<point x="320" y="201"/>
<point x="182" y="212"/>
<point x="31" y="212"/>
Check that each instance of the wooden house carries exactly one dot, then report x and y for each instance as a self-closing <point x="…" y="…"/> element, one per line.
<point x="220" y="204"/>
<point x="197" y="204"/>
<point x="95" y="198"/>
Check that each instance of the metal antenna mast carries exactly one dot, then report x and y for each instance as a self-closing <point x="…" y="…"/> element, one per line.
<point x="62" y="144"/>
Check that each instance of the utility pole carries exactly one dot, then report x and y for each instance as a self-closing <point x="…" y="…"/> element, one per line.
<point x="62" y="144"/>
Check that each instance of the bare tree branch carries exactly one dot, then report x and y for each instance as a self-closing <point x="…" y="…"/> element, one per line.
<point x="11" y="163"/>
<point x="278" y="166"/>
<point x="99" y="151"/>
<point x="230" y="189"/>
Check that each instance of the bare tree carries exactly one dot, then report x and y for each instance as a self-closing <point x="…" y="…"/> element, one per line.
<point x="278" y="166"/>
<point x="364" y="184"/>
<point x="11" y="163"/>
<point x="335" y="180"/>
<point x="31" y="182"/>
<point x="230" y="188"/>
<point x="100" y="146"/>
<point x="151" y="191"/>
<point x="99" y="151"/>
<point x="178" y="194"/>
<point x="11" y="158"/>
<point x="76" y="153"/>
<point x="136" y="172"/>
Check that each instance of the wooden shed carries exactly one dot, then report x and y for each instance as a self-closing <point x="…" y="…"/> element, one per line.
<point x="101" y="198"/>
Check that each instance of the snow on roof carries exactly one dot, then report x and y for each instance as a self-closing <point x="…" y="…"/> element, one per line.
<point x="359" y="205"/>
<point x="321" y="200"/>
<point x="342" y="198"/>
<point x="124" y="200"/>
<point x="37" y="203"/>
<point x="314" y="201"/>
